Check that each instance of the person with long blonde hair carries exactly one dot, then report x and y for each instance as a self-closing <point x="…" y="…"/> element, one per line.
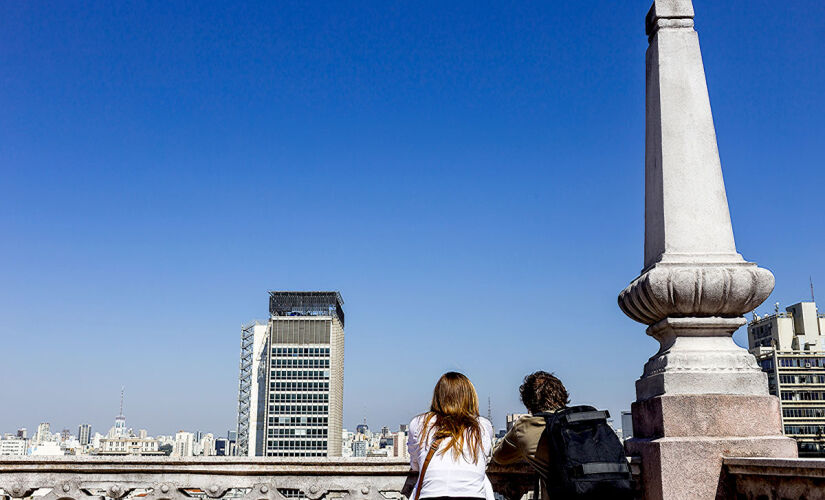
<point x="457" y="440"/>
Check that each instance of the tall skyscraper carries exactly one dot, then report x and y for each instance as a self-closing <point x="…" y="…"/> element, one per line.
<point x="297" y="380"/>
<point x="84" y="434"/>
<point x="790" y="348"/>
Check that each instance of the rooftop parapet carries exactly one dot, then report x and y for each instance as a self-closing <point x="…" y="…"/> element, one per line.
<point x="291" y="303"/>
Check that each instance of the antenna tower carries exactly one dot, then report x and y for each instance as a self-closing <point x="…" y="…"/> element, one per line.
<point x="812" y="288"/>
<point x="122" y="388"/>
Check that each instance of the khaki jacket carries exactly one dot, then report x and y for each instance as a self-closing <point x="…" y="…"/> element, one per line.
<point x="524" y="442"/>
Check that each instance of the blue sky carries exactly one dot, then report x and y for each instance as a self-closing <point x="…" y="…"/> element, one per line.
<point x="468" y="174"/>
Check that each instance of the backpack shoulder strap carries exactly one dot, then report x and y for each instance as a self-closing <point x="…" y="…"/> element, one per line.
<point x="430" y="453"/>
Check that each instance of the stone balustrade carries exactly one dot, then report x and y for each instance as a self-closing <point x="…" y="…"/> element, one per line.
<point x="123" y="478"/>
<point x="773" y="479"/>
<point x="96" y="478"/>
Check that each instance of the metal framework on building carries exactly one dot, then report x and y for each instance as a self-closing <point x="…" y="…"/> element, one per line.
<point x="283" y="303"/>
<point x="245" y="387"/>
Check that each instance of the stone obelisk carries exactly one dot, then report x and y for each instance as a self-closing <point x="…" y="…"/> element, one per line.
<point x="701" y="396"/>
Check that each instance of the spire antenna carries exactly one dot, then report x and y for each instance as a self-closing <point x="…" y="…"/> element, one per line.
<point x="489" y="409"/>
<point x="811" y="280"/>
<point x="122" y="389"/>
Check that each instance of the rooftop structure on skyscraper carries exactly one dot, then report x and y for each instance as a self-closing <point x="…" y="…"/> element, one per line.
<point x="306" y="304"/>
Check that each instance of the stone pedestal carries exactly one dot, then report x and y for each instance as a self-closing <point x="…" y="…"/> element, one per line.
<point x="682" y="439"/>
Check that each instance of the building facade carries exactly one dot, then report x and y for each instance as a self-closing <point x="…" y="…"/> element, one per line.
<point x="184" y="444"/>
<point x="790" y="348"/>
<point x="129" y="446"/>
<point x="84" y="434"/>
<point x="298" y="380"/>
<point x="512" y="418"/>
<point x="43" y="433"/>
<point x="13" y="446"/>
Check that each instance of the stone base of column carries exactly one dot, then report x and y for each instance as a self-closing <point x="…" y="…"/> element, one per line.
<point x="698" y="356"/>
<point x="681" y="440"/>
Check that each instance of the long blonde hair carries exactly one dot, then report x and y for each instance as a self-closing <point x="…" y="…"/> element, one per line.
<point x="453" y="415"/>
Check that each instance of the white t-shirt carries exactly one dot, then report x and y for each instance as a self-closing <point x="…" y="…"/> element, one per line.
<point x="447" y="476"/>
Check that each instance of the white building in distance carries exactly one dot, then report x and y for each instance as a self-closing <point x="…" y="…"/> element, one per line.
<point x="129" y="446"/>
<point x="790" y="347"/>
<point x="184" y="444"/>
<point x="13" y="446"/>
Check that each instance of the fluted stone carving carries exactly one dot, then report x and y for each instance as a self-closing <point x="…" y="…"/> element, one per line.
<point x="694" y="287"/>
<point x="695" y="290"/>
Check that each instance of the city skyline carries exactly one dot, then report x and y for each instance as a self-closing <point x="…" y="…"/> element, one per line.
<point x="476" y="167"/>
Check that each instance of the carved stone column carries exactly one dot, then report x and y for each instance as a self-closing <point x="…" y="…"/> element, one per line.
<point x="700" y="396"/>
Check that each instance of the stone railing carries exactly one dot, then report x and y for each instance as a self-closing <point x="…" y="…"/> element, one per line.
<point x="122" y="478"/>
<point x="773" y="478"/>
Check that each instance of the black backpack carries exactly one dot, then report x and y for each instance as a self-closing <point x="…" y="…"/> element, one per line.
<point x="587" y="460"/>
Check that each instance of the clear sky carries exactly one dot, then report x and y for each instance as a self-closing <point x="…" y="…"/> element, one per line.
<point x="468" y="174"/>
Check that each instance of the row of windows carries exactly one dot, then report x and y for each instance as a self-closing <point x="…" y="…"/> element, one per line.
<point x="301" y="421"/>
<point x="802" y="379"/>
<point x="818" y="362"/>
<point x="294" y="454"/>
<point x="294" y="444"/>
<point x="805" y="429"/>
<point x="300" y="351"/>
<point x="803" y="396"/>
<point x="300" y="409"/>
<point x="299" y="386"/>
<point x="300" y="374"/>
<point x="297" y="398"/>
<point x="297" y="432"/>
<point x="300" y="363"/>
<point x="803" y="412"/>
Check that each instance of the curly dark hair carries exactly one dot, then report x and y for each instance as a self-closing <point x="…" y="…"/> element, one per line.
<point x="542" y="391"/>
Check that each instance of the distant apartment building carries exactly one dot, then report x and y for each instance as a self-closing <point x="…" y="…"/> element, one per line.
<point x="184" y="444"/>
<point x="206" y="445"/>
<point x="627" y="425"/>
<point x="225" y="447"/>
<point x="129" y="446"/>
<point x="399" y="445"/>
<point x="512" y="418"/>
<point x="84" y="434"/>
<point x="790" y="348"/>
<point x="359" y="448"/>
<point x="292" y="378"/>
<point x="43" y="433"/>
<point x="13" y="446"/>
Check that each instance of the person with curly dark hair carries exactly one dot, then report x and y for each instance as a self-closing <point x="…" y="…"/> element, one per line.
<point x="541" y="392"/>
